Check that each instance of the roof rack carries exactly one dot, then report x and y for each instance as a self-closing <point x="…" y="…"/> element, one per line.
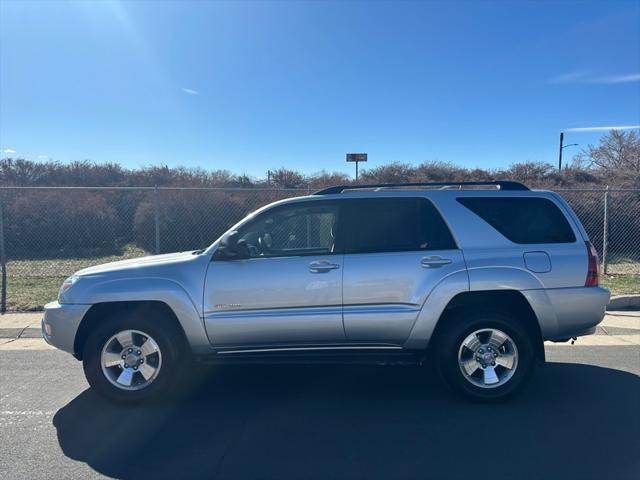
<point x="499" y="184"/>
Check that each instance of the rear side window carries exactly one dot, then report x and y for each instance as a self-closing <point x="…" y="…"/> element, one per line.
<point x="393" y="225"/>
<point x="522" y="219"/>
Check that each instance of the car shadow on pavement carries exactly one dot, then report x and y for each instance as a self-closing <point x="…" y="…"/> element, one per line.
<point x="573" y="421"/>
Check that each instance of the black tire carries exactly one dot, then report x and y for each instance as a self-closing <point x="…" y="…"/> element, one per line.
<point x="449" y="343"/>
<point x="169" y="339"/>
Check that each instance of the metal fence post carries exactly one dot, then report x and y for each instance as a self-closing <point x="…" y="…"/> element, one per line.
<point x="3" y="266"/>
<point x="605" y="231"/>
<point x="156" y="195"/>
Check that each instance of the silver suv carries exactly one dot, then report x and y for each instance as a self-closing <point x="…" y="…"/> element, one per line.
<point x="469" y="279"/>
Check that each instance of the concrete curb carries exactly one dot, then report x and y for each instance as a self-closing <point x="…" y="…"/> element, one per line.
<point x="624" y="301"/>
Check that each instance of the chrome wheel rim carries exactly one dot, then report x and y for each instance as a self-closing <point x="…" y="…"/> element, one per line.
<point x="131" y="360"/>
<point x="488" y="358"/>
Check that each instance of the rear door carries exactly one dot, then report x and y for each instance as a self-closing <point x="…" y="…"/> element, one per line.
<point x="397" y="249"/>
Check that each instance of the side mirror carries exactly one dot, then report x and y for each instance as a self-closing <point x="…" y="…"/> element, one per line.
<point x="232" y="248"/>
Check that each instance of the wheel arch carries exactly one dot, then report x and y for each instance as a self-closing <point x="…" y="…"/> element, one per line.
<point x="99" y="311"/>
<point x="136" y="291"/>
<point x="508" y="301"/>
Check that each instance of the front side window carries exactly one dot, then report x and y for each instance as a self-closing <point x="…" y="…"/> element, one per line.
<point x="293" y="230"/>
<point x="393" y="225"/>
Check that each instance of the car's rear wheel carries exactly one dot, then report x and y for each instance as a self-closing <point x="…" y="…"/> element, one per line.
<point x="135" y="356"/>
<point x="485" y="356"/>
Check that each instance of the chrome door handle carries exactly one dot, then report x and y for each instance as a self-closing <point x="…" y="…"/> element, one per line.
<point x="322" y="266"/>
<point x="434" y="262"/>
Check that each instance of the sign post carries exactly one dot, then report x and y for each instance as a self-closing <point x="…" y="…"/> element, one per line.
<point x="356" y="157"/>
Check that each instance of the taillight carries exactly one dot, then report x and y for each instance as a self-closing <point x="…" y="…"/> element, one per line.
<point x="593" y="272"/>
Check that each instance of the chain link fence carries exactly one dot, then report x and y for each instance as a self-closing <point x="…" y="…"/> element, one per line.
<point x="611" y="218"/>
<point x="47" y="233"/>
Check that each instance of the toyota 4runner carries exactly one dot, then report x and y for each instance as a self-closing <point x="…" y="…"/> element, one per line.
<point x="469" y="279"/>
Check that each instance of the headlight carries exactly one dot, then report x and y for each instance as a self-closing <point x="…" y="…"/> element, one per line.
<point x="67" y="284"/>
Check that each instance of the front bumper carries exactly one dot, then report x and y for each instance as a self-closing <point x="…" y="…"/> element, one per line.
<point x="60" y="324"/>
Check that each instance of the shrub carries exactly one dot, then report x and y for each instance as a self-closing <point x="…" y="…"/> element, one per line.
<point x="188" y="219"/>
<point x="54" y="223"/>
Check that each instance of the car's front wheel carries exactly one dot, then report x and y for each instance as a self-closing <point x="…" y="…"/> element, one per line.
<point x="485" y="356"/>
<point x="131" y="358"/>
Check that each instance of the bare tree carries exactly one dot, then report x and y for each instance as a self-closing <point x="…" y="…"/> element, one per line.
<point x="391" y="173"/>
<point x="326" y="179"/>
<point x="530" y="172"/>
<point x="617" y="153"/>
<point x="285" y="178"/>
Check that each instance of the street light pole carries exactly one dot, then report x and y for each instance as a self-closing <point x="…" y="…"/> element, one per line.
<point x="560" y="154"/>
<point x="562" y="147"/>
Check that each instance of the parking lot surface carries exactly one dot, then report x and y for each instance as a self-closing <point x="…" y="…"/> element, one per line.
<point x="579" y="418"/>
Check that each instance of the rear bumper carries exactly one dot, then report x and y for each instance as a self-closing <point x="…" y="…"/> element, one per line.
<point x="577" y="311"/>
<point x="60" y="324"/>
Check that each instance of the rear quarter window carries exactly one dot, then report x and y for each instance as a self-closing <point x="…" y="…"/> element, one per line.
<point x="523" y="219"/>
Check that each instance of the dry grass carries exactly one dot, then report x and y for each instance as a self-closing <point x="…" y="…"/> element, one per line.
<point x="33" y="283"/>
<point x="621" y="284"/>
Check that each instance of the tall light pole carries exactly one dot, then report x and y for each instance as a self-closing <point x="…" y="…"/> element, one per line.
<point x="562" y="147"/>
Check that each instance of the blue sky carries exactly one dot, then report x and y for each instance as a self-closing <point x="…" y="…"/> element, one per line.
<point x="259" y="85"/>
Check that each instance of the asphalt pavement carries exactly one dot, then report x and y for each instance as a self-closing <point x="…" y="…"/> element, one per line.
<point x="578" y="419"/>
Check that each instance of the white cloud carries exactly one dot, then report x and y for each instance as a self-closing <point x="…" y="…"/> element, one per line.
<point x="9" y="150"/>
<point x="584" y="76"/>
<point x="571" y="77"/>
<point x="189" y="91"/>
<point x="602" y="129"/>
<point x="632" y="77"/>
<point x="43" y="157"/>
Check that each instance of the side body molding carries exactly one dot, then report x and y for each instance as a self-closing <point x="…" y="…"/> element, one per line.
<point x="154" y="289"/>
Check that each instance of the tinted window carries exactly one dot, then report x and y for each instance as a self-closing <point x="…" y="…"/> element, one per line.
<point x="292" y="230"/>
<point x="521" y="219"/>
<point x="392" y="225"/>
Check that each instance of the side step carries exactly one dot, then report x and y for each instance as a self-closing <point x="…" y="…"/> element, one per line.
<point x="315" y="357"/>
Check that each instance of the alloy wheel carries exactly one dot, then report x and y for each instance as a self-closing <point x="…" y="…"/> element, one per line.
<point x="131" y="360"/>
<point x="488" y="358"/>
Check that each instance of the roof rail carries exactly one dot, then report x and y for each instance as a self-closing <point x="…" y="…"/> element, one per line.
<point x="500" y="184"/>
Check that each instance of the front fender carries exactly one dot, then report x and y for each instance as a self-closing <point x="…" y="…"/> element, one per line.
<point x="151" y="289"/>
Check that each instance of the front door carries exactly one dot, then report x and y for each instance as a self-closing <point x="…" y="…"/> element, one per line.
<point x="288" y="292"/>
